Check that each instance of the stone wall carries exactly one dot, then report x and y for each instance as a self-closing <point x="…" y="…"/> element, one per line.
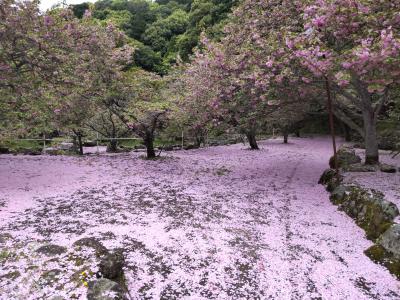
<point x="371" y="211"/>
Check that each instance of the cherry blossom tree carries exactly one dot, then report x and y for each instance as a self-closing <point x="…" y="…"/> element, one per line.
<point x="30" y="50"/>
<point x="56" y="65"/>
<point x="96" y="59"/>
<point x="284" y="51"/>
<point x="355" y="47"/>
<point x="108" y="125"/>
<point x="140" y="100"/>
<point x="249" y="77"/>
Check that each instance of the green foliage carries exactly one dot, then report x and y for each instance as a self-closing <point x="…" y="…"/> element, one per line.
<point x="79" y="9"/>
<point x="139" y="10"/>
<point x="205" y="16"/>
<point x="19" y="146"/>
<point x="186" y="3"/>
<point x="379" y="255"/>
<point x="146" y="58"/>
<point x="120" y="18"/>
<point x="160" y="34"/>
<point x="163" y="30"/>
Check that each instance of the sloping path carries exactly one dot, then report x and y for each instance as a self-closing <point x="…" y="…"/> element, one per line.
<point x="216" y="223"/>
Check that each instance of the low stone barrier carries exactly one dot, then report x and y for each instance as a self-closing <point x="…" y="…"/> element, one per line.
<point x="373" y="213"/>
<point x="367" y="207"/>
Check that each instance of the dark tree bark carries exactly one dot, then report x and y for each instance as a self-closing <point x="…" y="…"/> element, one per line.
<point x="80" y="143"/>
<point x="371" y="141"/>
<point x="251" y="137"/>
<point x="285" y="137"/>
<point x="297" y="133"/>
<point x="112" y="146"/>
<point x="370" y="112"/>
<point x="200" y="139"/>
<point x="347" y="132"/>
<point x="149" y="143"/>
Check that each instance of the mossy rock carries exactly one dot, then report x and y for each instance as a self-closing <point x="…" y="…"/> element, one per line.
<point x="345" y="156"/>
<point x="51" y="278"/>
<point x="105" y="289"/>
<point x="51" y="250"/>
<point x="327" y="176"/>
<point x="339" y="194"/>
<point x="4" y="237"/>
<point x="359" y="167"/>
<point x="374" y="222"/>
<point x="390" y="240"/>
<point x="330" y="179"/>
<point x="367" y="207"/>
<point x="332" y="185"/>
<point x="93" y="243"/>
<point x="378" y="254"/>
<point x="387" y="168"/>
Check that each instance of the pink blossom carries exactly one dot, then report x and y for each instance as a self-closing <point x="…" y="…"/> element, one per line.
<point x="88" y="13"/>
<point x="319" y="21"/>
<point x="343" y="82"/>
<point x="347" y="65"/>
<point x="269" y="63"/>
<point x="48" y="21"/>
<point x="289" y="43"/>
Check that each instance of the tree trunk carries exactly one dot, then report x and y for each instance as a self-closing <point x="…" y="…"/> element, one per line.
<point x="251" y="137"/>
<point x="297" y="132"/>
<point x="371" y="142"/>
<point x="80" y="143"/>
<point x="74" y="144"/>
<point x="347" y="133"/>
<point x="198" y="142"/>
<point x="112" y="147"/>
<point x="149" y="143"/>
<point x="199" y="139"/>
<point x="285" y="137"/>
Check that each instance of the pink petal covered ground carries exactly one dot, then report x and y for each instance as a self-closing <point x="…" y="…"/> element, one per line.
<point x="216" y="223"/>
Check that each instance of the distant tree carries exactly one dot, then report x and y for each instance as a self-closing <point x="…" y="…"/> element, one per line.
<point x="108" y="125"/>
<point x="159" y="34"/>
<point x="140" y="11"/>
<point x="141" y="103"/>
<point x="147" y="59"/>
<point x="204" y="16"/>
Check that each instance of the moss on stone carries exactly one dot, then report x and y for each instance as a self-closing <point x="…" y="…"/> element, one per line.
<point x="338" y="195"/>
<point x="379" y="255"/>
<point x="345" y="156"/>
<point x="330" y="179"/>
<point x="367" y="207"/>
<point x="326" y="176"/>
<point x="373" y="220"/>
<point x="76" y="259"/>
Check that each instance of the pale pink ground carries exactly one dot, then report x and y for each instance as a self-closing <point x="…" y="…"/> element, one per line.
<point x="216" y="223"/>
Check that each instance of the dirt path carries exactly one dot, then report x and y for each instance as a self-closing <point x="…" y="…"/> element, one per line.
<point x="217" y="223"/>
